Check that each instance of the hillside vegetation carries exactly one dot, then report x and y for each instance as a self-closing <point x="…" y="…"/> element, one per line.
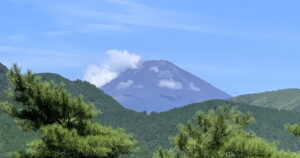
<point x="64" y="121"/>
<point x="152" y="130"/>
<point x="287" y="99"/>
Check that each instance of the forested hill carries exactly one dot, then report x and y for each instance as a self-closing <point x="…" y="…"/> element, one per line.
<point x="151" y="130"/>
<point x="112" y="112"/>
<point x="287" y="99"/>
<point x="3" y="81"/>
<point x="269" y="123"/>
<point x="12" y="137"/>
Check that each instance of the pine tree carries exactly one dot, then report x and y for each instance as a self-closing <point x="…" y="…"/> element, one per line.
<point x="65" y="121"/>
<point x="220" y="133"/>
<point x="294" y="129"/>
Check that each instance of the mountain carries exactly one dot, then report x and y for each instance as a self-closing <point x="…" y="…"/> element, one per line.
<point x="13" y="138"/>
<point x="287" y="99"/>
<point x="151" y="130"/>
<point x="160" y="86"/>
<point x="3" y="81"/>
<point x="269" y="123"/>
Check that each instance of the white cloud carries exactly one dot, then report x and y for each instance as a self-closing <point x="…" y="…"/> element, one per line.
<point x="118" y="62"/>
<point x="194" y="87"/>
<point x="99" y="75"/>
<point x="165" y="74"/>
<point x="154" y="69"/>
<point x="139" y="86"/>
<point x="124" y="85"/>
<point x="170" y="83"/>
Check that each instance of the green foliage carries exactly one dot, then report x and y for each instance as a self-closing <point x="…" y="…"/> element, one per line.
<point x="285" y="154"/>
<point x="12" y="137"/>
<point x="211" y="132"/>
<point x="163" y="153"/>
<point x="247" y="145"/>
<point x="295" y="129"/>
<point x="152" y="130"/>
<point x="64" y="120"/>
<point x="220" y="133"/>
<point x="97" y="141"/>
<point x="44" y="103"/>
<point x="287" y="99"/>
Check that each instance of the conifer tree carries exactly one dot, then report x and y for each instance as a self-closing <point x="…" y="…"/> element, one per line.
<point x="65" y="121"/>
<point x="220" y="133"/>
<point x="294" y="129"/>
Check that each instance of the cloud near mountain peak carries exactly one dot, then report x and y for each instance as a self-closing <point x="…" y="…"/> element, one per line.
<point x="118" y="61"/>
<point x="170" y="83"/>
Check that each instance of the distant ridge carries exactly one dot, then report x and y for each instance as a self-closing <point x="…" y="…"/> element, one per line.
<point x="287" y="99"/>
<point x="159" y="85"/>
<point x="3" y="81"/>
<point x="3" y="68"/>
<point x="151" y="130"/>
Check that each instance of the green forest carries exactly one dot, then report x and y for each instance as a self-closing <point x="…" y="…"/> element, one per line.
<point x="46" y="115"/>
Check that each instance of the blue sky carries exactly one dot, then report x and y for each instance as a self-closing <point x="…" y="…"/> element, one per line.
<point x="238" y="46"/>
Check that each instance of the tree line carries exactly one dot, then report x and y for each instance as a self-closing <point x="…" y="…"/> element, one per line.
<point x="68" y="130"/>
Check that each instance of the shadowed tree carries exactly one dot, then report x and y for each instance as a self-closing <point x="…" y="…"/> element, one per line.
<point x="65" y="121"/>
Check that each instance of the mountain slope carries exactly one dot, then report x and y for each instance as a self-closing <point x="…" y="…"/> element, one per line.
<point x="3" y="81"/>
<point x="160" y="86"/>
<point x="13" y="138"/>
<point x="287" y="99"/>
<point x="269" y="123"/>
<point x="152" y="131"/>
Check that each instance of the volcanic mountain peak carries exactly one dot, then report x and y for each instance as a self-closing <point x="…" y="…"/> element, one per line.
<point x="159" y="86"/>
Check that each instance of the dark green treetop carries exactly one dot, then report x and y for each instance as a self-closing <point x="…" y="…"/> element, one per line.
<point x="65" y="121"/>
<point x="220" y="133"/>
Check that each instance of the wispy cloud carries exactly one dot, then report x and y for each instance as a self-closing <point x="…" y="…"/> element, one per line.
<point x="98" y="16"/>
<point x="23" y="1"/>
<point x="12" y="37"/>
<point x="34" y="51"/>
<point x="144" y="15"/>
<point x="80" y="17"/>
<point x="94" y="27"/>
<point x="86" y="28"/>
<point x="57" y="33"/>
<point x="41" y="57"/>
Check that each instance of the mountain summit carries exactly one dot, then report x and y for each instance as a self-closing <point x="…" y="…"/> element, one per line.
<point x="160" y="86"/>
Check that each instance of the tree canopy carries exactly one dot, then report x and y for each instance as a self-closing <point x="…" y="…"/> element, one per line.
<point x="220" y="133"/>
<point x="64" y="120"/>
